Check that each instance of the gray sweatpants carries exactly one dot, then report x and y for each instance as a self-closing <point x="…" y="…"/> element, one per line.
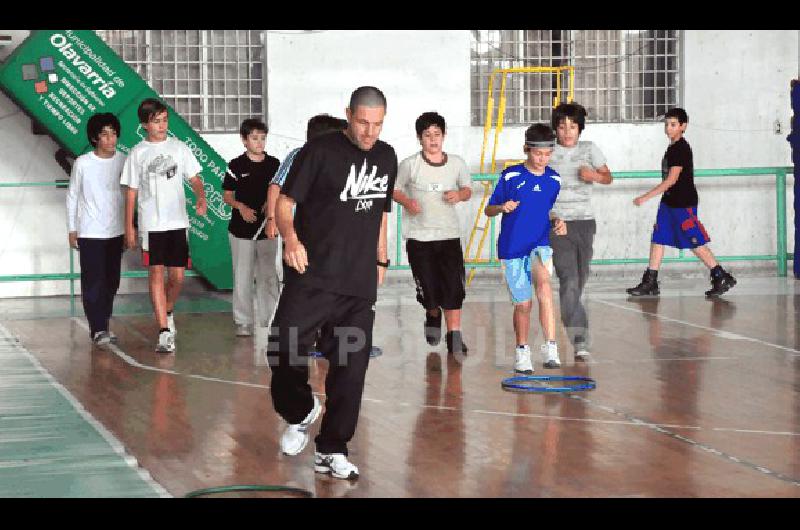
<point x="254" y="260"/>
<point x="571" y="256"/>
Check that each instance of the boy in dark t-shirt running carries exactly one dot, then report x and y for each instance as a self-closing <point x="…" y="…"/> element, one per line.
<point x="336" y="252"/>
<point x="253" y="253"/>
<point x="677" y="224"/>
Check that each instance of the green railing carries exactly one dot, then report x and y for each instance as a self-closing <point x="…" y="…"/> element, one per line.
<point x="782" y="256"/>
<point x="71" y="275"/>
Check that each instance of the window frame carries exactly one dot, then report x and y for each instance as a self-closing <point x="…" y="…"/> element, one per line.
<point x="202" y="81"/>
<point x="652" y="91"/>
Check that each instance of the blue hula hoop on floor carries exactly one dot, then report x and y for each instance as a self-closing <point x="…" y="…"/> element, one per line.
<point x="526" y="383"/>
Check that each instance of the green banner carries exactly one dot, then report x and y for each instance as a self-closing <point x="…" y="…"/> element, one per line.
<point x="63" y="77"/>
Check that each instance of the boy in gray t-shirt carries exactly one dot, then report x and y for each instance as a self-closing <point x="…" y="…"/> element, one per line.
<point x="429" y="185"/>
<point x="581" y="165"/>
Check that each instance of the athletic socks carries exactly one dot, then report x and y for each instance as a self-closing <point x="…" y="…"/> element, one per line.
<point x="717" y="271"/>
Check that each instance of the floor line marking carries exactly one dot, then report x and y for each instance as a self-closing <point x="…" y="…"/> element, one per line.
<point x="754" y="431"/>
<point x="707" y="448"/>
<point x="718" y="332"/>
<point x="133" y="362"/>
<point x="566" y="418"/>
<point x="669" y="359"/>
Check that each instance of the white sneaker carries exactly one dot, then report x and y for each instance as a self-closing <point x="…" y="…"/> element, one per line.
<point x="113" y="337"/>
<point x="295" y="437"/>
<point x="522" y="360"/>
<point x="336" y="464"/>
<point x="166" y="342"/>
<point x="243" y="330"/>
<point x="581" y="353"/>
<point x="550" y="354"/>
<point x="101" y="338"/>
<point x="171" y="324"/>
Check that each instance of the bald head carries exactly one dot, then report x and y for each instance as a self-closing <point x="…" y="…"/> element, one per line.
<point x="367" y="96"/>
<point x="365" y="116"/>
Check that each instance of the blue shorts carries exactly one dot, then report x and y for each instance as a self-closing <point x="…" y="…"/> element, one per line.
<point x="679" y="228"/>
<point x="517" y="272"/>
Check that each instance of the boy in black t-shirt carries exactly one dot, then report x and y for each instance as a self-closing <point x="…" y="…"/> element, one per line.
<point x="252" y="252"/>
<point x="335" y="249"/>
<point x="677" y="224"/>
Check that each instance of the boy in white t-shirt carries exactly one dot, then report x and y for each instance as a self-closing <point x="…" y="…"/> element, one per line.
<point x="156" y="169"/>
<point x="94" y="220"/>
<point x="429" y="185"/>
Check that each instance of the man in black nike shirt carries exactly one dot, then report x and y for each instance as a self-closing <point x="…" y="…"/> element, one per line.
<point x="335" y="247"/>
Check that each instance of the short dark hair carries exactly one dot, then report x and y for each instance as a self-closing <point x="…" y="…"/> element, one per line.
<point x="539" y="132"/>
<point x="367" y="96"/>
<point x="322" y="124"/>
<point x="96" y="123"/>
<point x="426" y="119"/>
<point x="677" y="113"/>
<point x="251" y="124"/>
<point x="149" y="108"/>
<point x="574" y="111"/>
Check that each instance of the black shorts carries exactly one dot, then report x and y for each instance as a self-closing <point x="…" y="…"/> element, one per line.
<point x="438" y="269"/>
<point x="169" y="248"/>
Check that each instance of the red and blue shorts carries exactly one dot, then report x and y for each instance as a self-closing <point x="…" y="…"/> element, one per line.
<point x="679" y="228"/>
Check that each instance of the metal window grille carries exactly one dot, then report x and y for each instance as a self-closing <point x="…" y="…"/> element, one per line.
<point x="620" y="75"/>
<point x="212" y="78"/>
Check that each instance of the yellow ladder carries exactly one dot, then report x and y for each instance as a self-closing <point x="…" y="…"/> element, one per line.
<point x="481" y="223"/>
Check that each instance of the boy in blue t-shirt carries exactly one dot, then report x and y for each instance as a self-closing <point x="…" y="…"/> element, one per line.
<point x="677" y="224"/>
<point x="525" y="194"/>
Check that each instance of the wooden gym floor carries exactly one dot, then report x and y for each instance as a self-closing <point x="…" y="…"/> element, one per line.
<point x="694" y="398"/>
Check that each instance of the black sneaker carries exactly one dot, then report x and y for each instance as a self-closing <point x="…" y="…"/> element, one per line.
<point x="433" y="328"/>
<point x="647" y="287"/>
<point x="721" y="284"/>
<point x="455" y="342"/>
